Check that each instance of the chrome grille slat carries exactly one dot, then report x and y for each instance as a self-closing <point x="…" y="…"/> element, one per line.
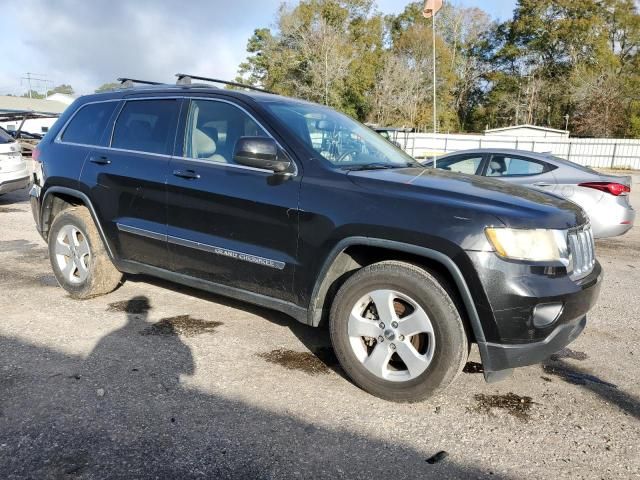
<point x="582" y="251"/>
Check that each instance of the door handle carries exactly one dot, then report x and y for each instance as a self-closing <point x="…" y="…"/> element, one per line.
<point x="100" y="160"/>
<point x="543" y="184"/>
<point x="188" y="174"/>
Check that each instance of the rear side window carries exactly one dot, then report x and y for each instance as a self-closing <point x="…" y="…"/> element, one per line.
<point x="88" y="124"/>
<point x="503" y="166"/>
<point x="146" y="126"/>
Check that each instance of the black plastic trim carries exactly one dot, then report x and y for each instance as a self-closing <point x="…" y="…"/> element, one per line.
<point x="295" y="311"/>
<point x="448" y="263"/>
<point x="503" y="357"/>
<point x="85" y="199"/>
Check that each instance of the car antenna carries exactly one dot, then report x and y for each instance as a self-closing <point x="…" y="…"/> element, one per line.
<point x="130" y="82"/>
<point x="185" y="79"/>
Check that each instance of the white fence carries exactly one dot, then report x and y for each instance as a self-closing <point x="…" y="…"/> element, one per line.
<point x="592" y="152"/>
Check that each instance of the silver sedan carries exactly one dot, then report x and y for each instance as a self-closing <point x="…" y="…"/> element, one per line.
<point x="605" y="198"/>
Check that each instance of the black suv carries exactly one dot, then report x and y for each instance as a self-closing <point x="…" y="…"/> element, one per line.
<point x="295" y="207"/>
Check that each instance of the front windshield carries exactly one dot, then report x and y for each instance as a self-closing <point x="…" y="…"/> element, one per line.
<point x="339" y="139"/>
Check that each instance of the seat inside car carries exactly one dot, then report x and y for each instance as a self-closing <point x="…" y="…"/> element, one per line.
<point x="204" y="146"/>
<point x="497" y="166"/>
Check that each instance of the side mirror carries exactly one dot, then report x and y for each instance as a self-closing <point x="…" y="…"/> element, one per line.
<point x="260" y="152"/>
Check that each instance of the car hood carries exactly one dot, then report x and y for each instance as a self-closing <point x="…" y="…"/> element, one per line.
<point x="513" y="205"/>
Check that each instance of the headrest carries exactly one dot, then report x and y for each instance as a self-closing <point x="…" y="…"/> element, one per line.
<point x="203" y="145"/>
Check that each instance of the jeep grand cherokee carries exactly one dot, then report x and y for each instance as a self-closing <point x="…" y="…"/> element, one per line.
<point x="295" y="207"/>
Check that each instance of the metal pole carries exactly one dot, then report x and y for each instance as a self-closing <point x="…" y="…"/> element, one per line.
<point x="613" y="157"/>
<point x="433" y="32"/>
<point x="435" y="116"/>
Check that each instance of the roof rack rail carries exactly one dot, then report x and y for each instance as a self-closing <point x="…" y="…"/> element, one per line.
<point x="185" y="79"/>
<point x="130" y="82"/>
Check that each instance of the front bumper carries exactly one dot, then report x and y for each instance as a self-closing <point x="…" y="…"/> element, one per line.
<point x="497" y="357"/>
<point x="514" y="290"/>
<point x="13" y="185"/>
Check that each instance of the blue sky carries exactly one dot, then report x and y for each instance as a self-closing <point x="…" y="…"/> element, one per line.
<point x="87" y="43"/>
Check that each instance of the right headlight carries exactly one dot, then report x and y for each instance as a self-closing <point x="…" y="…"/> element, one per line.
<point x="537" y="245"/>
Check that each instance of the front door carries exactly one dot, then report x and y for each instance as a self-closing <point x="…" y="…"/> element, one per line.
<point x="227" y="223"/>
<point x="128" y="179"/>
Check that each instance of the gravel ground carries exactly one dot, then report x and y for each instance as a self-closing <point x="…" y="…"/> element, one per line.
<point x="159" y="381"/>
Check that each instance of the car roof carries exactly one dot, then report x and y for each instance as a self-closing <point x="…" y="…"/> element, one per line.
<point x="190" y="89"/>
<point x="506" y="151"/>
<point x="542" y="156"/>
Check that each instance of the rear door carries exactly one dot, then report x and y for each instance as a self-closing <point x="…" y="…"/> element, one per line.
<point x="228" y="223"/>
<point x="127" y="179"/>
<point x="521" y="170"/>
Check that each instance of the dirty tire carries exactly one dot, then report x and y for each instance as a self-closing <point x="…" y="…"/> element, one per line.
<point x="451" y="344"/>
<point x="101" y="276"/>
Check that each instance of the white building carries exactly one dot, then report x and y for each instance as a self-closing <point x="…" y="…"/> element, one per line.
<point x="62" y="98"/>
<point x="49" y="110"/>
<point x="528" y="131"/>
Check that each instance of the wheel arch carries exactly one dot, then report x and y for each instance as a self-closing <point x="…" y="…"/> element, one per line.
<point x="56" y="199"/>
<point x="353" y="253"/>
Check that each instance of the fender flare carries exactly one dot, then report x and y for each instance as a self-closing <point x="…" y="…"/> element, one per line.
<point x="87" y="202"/>
<point x="429" y="253"/>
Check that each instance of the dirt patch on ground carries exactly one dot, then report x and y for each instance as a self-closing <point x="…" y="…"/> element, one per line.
<point x="473" y="367"/>
<point x="47" y="280"/>
<point x="616" y="247"/>
<point x="135" y="306"/>
<point x="318" y="362"/>
<point x="183" y="325"/>
<point x="513" y="404"/>
<point x="17" y="245"/>
<point x="18" y="279"/>
<point x="568" y="353"/>
<point x="10" y="210"/>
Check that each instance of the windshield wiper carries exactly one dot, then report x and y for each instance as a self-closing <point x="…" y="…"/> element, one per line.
<point x="372" y="166"/>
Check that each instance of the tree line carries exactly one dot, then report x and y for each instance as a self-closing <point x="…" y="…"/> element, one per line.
<point x="555" y="63"/>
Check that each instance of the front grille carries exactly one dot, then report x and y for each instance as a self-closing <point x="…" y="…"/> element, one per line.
<point x="582" y="256"/>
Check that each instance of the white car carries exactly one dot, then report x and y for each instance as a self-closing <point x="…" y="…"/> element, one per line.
<point x="14" y="172"/>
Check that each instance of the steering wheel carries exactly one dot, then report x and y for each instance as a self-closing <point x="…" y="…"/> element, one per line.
<point x="344" y="155"/>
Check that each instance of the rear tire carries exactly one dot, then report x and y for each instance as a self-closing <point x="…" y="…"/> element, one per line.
<point x="78" y="256"/>
<point x="397" y="333"/>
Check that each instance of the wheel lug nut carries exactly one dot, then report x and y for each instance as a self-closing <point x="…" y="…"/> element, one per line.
<point x="401" y="338"/>
<point x="381" y="325"/>
<point x="394" y="324"/>
<point x="392" y="346"/>
<point x="380" y="339"/>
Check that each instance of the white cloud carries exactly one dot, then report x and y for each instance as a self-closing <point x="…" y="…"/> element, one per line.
<point x="89" y="43"/>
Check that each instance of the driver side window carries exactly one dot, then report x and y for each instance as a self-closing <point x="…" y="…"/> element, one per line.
<point x="468" y="165"/>
<point x="214" y="127"/>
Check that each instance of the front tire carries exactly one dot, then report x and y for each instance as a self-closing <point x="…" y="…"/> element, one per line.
<point x="78" y="257"/>
<point x="397" y="333"/>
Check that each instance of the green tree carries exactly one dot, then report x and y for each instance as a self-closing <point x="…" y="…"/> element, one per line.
<point x="32" y="94"/>
<point x="553" y="58"/>
<point x="326" y="51"/>
<point x="64" y="88"/>
<point x="107" y="87"/>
